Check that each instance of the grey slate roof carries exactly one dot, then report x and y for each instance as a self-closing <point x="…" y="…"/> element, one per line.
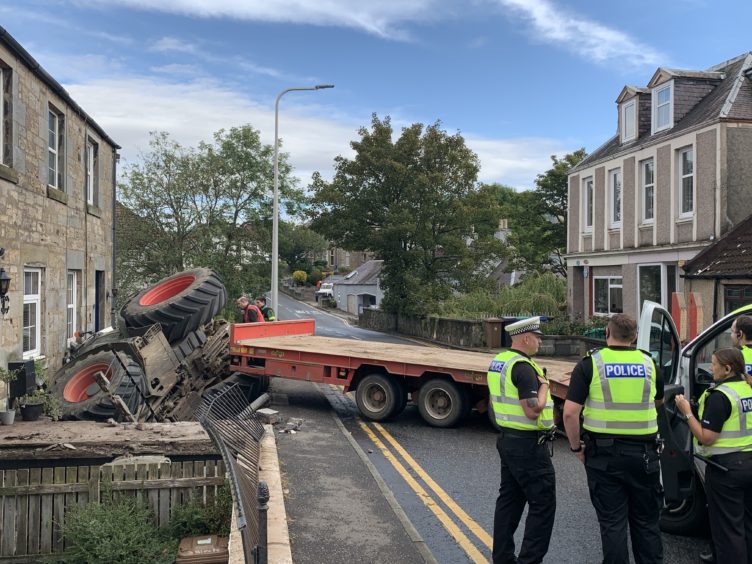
<point x="731" y="99"/>
<point x="366" y="273"/>
<point x="729" y="257"/>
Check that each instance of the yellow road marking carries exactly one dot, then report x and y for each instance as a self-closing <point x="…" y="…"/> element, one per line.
<point x="474" y="527"/>
<point x="441" y="515"/>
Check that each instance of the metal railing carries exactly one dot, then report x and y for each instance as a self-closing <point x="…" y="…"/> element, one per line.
<point x="236" y="432"/>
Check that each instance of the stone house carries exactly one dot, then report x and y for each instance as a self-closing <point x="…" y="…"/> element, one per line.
<point x="57" y="183"/>
<point x="360" y="289"/>
<point x="674" y="179"/>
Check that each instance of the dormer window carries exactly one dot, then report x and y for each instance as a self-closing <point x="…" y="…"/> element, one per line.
<point x="628" y="121"/>
<point x="663" y="101"/>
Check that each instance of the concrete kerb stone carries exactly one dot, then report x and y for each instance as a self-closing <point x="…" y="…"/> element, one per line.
<point x="278" y="535"/>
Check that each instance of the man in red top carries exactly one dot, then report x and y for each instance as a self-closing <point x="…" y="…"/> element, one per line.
<point x="251" y="313"/>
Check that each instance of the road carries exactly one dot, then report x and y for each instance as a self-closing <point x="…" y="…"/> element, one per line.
<point x="446" y="480"/>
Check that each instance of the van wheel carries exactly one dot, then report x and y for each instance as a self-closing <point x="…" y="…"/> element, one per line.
<point x="442" y="403"/>
<point x="378" y="397"/>
<point x="687" y="517"/>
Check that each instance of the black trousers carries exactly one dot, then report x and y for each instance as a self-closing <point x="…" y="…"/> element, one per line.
<point x="625" y="488"/>
<point x="730" y="507"/>
<point x="527" y="477"/>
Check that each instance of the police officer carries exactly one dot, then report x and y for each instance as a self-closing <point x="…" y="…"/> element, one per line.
<point x="618" y="385"/>
<point x="523" y="408"/>
<point x="741" y="336"/>
<point x="725" y="435"/>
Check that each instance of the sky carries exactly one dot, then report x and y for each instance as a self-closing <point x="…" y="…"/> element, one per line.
<point x="521" y="80"/>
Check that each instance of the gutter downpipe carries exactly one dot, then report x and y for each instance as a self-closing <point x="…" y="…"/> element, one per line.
<point x="114" y="290"/>
<point x="715" y="300"/>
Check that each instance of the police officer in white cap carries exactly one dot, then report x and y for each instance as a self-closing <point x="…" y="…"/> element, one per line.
<point x="522" y="406"/>
<point x="620" y="388"/>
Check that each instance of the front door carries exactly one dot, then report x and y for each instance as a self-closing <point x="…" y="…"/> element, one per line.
<point x="100" y="304"/>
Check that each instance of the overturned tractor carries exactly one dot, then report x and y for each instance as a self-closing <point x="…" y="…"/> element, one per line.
<point x="167" y="351"/>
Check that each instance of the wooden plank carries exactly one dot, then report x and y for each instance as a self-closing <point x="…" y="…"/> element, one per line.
<point x="176" y="472"/>
<point x="8" y="540"/>
<point x="199" y="469"/>
<point x="45" y="529"/>
<point x="22" y="512"/>
<point x="211" y="472"/>
<point x="27" y="489"/>
<point x="152" y="496"/>
<point x="35" y="478"/>
<point x="71" y="477"/>
<point x="130" y="476"/>
<point x="2" y="504"/>
<point x="164" y="495"/>
<point x="184" y="485"/>
<point x="58" y="511"/>
<point x="142" y="473"/>
<point x="187" y="494"/>
<point x="82" y="497"/>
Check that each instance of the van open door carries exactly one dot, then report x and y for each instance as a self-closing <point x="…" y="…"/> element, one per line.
<point x="658" y="336"/>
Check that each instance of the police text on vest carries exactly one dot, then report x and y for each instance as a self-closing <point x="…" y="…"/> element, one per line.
<point x="625" y="370"/>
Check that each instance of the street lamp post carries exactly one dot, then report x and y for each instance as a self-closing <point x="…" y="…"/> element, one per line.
<point x="275" y="207"/>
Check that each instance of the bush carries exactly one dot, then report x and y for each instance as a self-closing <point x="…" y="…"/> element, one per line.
<point x="119" y="530"/>
<point x="300" y="276"/>
<point x="563" y="325"/>
<point x="315" y="276"/>
<point x="195" y="518"/>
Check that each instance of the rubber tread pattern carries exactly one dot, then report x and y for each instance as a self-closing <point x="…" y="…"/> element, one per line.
<point x="183" y="313"/>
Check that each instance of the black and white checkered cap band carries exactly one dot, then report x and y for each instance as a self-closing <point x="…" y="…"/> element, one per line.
<point x="524" y="326"/>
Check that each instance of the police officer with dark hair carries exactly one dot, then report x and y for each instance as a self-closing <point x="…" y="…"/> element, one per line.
<point x="523" y="408"/>
<point x="619" y="388"/>
<point x="741" y="336"/>
<point x="724" y="433"/>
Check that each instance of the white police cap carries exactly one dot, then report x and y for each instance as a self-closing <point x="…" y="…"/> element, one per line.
<point x="529" y="325"/>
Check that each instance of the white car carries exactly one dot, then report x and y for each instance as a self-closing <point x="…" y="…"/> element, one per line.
<point x="325" y="291"/>
<point x="685" y="371"/>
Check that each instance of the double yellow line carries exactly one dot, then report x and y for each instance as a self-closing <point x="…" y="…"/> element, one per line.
<point x="459" y="536"/>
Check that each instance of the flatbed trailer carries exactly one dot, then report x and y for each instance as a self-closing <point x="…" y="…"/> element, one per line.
<point x="444" y="383"/>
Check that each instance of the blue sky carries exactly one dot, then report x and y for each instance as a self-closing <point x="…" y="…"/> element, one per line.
<point x="520" y="79"/>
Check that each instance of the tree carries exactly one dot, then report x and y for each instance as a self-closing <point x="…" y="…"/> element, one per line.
<point x="538" y="218"/>
<point x="414" y="202"/>
<point x="207" y="206"/>
<point x="299" y="244"/>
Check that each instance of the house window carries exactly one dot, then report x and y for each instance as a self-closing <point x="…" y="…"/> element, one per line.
<point x="71" y="321"/>
<point x="736" y="296"/>
<point x="657" y="283"/>
<point x="648" y="191"/>
<point x="92" y="176"/>
<point x="332" y="257"/>
<point x="628" y="121"/>
<point x="32" y="312"/>
<point x="347" y="259"/>
<point x="607" y="298"/>
<point x="614" y="180"/>
<point x="6" y="123"/>
<point x="686" y="187"/>
<point x="587" y="194"/>
<point x="55" y="146"/>
<point x="662" y="102"/>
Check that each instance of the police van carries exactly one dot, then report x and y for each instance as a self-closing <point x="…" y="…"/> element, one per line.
<point x="685" y="371"/>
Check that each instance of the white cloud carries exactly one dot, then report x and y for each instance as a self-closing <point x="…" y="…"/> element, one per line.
<point x="588" y="38"/>
<point x="384" y="18"/>
<point x="167" y="44"/>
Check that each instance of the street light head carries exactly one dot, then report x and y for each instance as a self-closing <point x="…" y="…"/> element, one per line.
<point x="321" y="86"/>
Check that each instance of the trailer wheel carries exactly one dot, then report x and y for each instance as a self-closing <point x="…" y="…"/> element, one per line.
<point x="180" y="303"/>
<point x="442" y="403"/>
<point x="378" y="397"/>
<point x="81" y="397"/>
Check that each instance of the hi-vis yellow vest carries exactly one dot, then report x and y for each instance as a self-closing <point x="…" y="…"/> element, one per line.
<point x="505" y="398"/>
<point x="747" y="354"/>
<point x="621" y="396"/>
<point x="736" y="434"/>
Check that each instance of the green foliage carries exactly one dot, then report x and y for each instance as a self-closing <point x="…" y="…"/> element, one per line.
<point x="119" y="530"/>
<point x="298" y="243"/>
<point x="195" y="518"/>
<point x="563" y="325"/>
<point x="538" y="218"/>
<point x="315" y="276"/>
<point x="300" y="276"/>
<point x="205" y="206"/>
<point x="414" y="202"/>
<point x="538" y="294"/>
<point x="8" y="376"/>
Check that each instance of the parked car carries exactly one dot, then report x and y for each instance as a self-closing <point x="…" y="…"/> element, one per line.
<point x="325" y="291"/>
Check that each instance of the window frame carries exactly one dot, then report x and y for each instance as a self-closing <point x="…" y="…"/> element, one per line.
<point x="3" y="93"/>
<point x="35" y="299"/>
<point x="655" y="106"/>
<point x="680" y="179"/>
<point x="58" y="150"/>
<point x="643" y="191"/>
<point x="665" y="300"/>
<point x="610" y="286"/>
<point x="588" y="198"/>
<point x="91" y="160"/>
<point x="632" y="104"/>
<point x="71" y="304"/>
<point x="614" y="223"/>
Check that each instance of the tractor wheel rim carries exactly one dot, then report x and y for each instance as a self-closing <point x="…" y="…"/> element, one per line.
<point x="75" y="390"/>
<point x="438" y="404"/>
<point x="166" y="290"/>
